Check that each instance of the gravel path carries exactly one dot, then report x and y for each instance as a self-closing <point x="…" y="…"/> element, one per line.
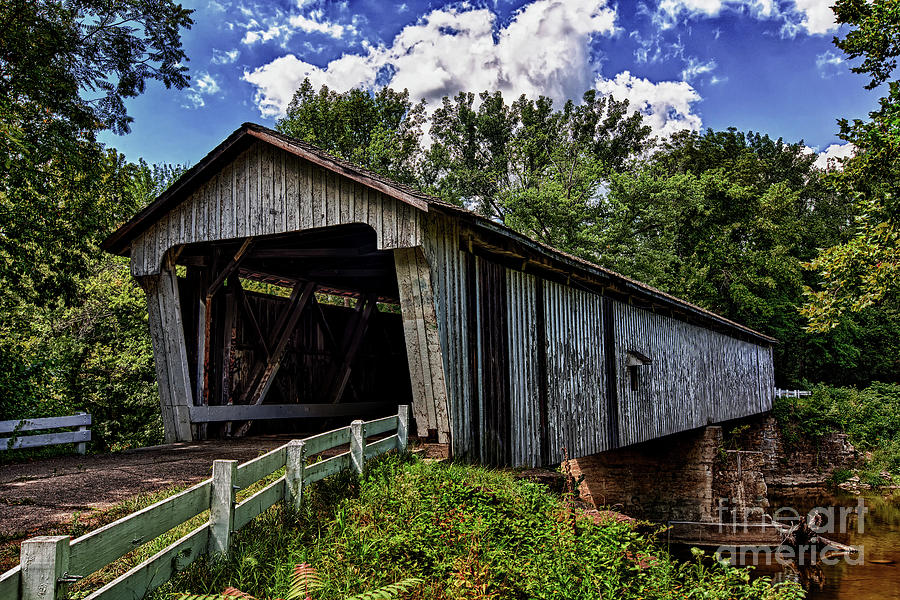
<point x="37" y="495"/>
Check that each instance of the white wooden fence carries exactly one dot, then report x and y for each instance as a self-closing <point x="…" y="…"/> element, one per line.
<point x="49" y="563"/>
<point x="79" y="437"/>
<point x="780" y="393"/>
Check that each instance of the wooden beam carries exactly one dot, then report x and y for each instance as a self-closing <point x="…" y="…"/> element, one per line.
<point x="353" y="338"/>
<point x="264" y="372"/>
<point x="259" y="412"/>
<point x="330" y="341"/>
<point x="246" y="309"/>
<point x="204" y="314"/>
<point x="233" y="264"/>
<point x="18" y="425"/>
<point x="225" y="391"/>
<point x="169" y="352"/>
<point x="311" y="253"/>
<point x="423" y="346"/>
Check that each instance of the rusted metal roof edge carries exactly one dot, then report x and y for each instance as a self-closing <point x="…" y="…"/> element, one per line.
<point x="631" y="285"/>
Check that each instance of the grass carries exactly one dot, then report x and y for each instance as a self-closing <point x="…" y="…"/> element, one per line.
<point x="467" y="532"/>
<point x="83" y="523"/>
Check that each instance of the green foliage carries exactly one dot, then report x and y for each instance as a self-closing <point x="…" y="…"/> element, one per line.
<point x="72" y="324"/>
<point x="863" y="270"/>
<point x="870" y="417"/>
<point x="466" y="532"/>
<point x="304" y="580"/>
<point x="839" y="476"/>
<point x="89" y="351"/>
<point x="381" y="132"/>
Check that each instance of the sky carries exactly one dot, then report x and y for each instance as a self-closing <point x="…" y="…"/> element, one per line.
<point x="763" y="65"/>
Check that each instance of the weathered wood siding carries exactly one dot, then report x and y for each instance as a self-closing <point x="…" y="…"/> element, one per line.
<point x="524" y="372"/>
<point x="451" y="300"/>
<point x="169" y="352"/>
<point x="575" y="376"/>
<point x="697" y="376"/>
<point x="555" y="353"/>
<point x="423" y="345"/>
<point x="265" y="190"/>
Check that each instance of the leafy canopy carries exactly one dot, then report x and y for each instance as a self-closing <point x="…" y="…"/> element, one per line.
<point x="863" y="270"/>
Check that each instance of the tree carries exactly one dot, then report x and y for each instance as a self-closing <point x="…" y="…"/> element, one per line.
<point x="864" y="269"/>
<point x="527" y="165"/>
<point x="381" y="131"/>
<point x="66" y="71"/>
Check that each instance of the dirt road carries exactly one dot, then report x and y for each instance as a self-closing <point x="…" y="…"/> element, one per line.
<point x="36" y="495"/>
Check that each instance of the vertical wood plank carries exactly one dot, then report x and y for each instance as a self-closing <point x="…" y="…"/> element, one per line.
<point x="221" y="506"/>
<point x="357" y="446"/>
<point x="178" y="394"/>
<point x="402" y="426"/>
<point x="295" y="462"/>
<point x="44" y="560"/>
<point x="81" y="447"/>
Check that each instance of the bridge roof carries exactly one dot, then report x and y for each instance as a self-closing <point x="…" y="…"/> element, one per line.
<point x="119" y="241"/>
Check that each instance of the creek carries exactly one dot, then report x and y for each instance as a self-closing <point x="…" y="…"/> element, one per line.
<point x="875" y="573"/>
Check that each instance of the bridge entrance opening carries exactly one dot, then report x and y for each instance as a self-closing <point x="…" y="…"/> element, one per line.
<point x="291" y="333"/>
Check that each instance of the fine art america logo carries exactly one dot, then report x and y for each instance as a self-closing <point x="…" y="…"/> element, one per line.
<point x="802" y="540"/>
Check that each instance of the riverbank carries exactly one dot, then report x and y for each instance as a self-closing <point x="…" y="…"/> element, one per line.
<point x="466" y="532"/>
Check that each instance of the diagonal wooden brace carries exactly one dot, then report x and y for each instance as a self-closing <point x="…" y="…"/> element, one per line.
<point x="264" y="372"/>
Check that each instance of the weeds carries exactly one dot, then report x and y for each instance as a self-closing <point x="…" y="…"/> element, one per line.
<point x="870" y="417"/>
<point x="466" y="532"/>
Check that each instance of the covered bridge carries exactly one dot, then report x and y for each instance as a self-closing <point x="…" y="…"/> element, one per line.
<point x="284" y="283"/>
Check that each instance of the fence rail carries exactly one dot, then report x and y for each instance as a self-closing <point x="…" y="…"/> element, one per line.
<point x="80" y="436"/>
<point x="780" y="393"/>
<point x="49" y="563"/>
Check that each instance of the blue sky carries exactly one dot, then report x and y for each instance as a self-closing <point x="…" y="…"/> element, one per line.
<point x="762" y="65"/>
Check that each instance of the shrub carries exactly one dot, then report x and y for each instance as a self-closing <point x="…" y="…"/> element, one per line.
<point x="466" y="532"/>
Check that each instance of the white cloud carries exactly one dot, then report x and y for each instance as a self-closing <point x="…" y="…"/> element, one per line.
<point x="830" y="157"/>
<point x="695" y="68"/>
<point x="262" y="35"/>
<point x="812" y="16"/>
<point x="309" y="25"/>
<point x="829" y="64"/>
<point x="669" y="12"/>
<point x="666" y="105"/>
<point x="204" y="85"/>
<point x="817" y="16"/>
<point x="543" y="50"/>
<point x="222" y="57"/>
<point x="285" y="26"/>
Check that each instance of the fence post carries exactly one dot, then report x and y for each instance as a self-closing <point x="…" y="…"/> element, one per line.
<point x="45" y="562"/>
<point x="402" y="426"/>
<point x="295" y="464"/>
<point x="81" y="447"/>
<point x="221" y="506"/>
<point x="357" y="445"/>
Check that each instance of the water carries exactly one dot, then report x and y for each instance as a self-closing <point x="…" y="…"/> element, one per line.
<point x="877" y="574"/>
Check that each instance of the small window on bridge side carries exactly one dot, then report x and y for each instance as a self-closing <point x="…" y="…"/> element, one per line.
<point x="634" y="360"/>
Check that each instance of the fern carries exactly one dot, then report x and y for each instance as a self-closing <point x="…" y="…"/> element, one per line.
<point x="389" y="592"/>
<point x="306" y="579"/>
<point x="303" y="581"/>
